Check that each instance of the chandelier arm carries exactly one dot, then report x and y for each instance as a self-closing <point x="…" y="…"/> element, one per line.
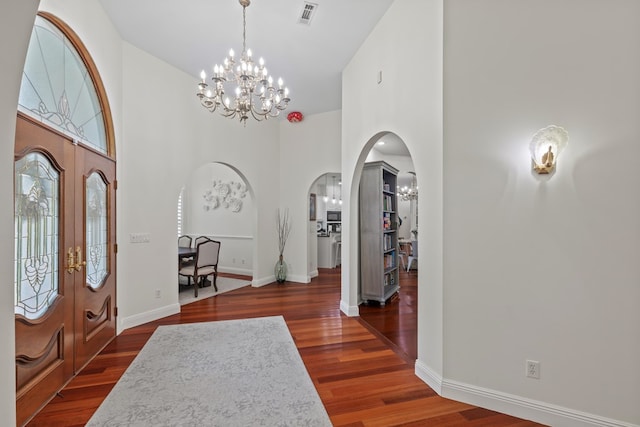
<point x="256" y="115"/>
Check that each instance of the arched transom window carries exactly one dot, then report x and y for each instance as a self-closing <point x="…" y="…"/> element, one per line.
<point x="58" y="90"/>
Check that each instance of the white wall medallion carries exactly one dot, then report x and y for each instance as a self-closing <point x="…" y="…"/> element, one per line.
<point x="228" y="195"/>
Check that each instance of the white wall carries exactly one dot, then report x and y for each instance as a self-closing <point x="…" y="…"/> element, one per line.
<point x="210" y="217"/>
<point x="543" y="269"/>
<point x="406" y="46"/>
<point x="16" y="21"/>
<point x="308" y="149"/>
<point x="162" y="147"/>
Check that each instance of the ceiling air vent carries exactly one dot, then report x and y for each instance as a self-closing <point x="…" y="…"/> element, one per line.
<point x="308" y="12"/>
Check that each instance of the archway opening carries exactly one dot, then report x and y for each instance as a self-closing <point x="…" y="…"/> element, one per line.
<point x="325" y="213"/>
<point x="217" y="202"/>
<point x="388" y="274"/>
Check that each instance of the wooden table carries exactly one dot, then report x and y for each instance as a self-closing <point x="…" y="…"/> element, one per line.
<point x="184" y="252"/>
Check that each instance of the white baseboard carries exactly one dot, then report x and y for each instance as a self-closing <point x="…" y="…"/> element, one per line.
<point x="429" y="376"/>
<point x="298" y="278"/>
<point x="256" y="283"/>
<point x="516" y="406"/>
<point x="234" y="270"/>
<point x="351" y="311"/>
<point x="147" y="316"/>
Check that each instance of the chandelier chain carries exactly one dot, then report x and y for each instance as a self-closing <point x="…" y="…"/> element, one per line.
<point x="244" y="30"/>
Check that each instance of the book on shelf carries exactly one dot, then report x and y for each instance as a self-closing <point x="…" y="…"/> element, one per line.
<point x="389" y="260"/>
<point x="389" y="279"/>
<point x="388" y="242"/>
<point x="386" y="221"/>
<point x="387" y="203"/>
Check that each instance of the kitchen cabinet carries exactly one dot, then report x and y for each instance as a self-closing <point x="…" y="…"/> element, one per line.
<point x="327" y="250"/>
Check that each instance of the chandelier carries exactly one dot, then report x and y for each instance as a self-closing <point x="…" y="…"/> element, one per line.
<point x="254" y="93"/>
<point x="409" y="193"/>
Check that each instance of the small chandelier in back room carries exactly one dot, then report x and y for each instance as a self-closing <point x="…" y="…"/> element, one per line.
<point x="254" y="91"/>
<point x="409" y="193"/>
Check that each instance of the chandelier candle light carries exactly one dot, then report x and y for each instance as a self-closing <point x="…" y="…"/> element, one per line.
<point x="254" y="92"/>
<point x="409" y="193"/>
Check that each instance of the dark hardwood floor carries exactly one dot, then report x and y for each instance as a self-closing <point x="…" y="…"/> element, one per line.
<point x="364" y="376"/>
<point x="397" y="321"/>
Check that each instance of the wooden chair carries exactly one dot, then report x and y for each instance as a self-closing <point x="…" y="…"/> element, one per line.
<point x="414" y="255"/>
<point x="402" y="253"/>
<point x="200" y="239"/>
<point x="184" y="241"/>
<point x="191" y="261"/>
<point x="205" y="264"/>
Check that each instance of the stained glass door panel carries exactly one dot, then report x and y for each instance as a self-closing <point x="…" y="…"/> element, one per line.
<point x="36" y="238"/>
<point x="43" y="287"/>
<point x="97" y="231"/>
<point x="95" y="298"/>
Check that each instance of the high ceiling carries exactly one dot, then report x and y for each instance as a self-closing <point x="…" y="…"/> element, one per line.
<point x="193" y="35"/>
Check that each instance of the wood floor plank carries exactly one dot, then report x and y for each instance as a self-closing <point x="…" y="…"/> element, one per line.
<point x="362" y="367"/>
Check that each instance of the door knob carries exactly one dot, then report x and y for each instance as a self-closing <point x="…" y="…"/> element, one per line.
<point x="80" y="263"/>
<point x="70" y="261"/>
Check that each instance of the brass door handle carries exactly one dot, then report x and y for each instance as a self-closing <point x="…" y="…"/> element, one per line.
<point x="70" y="261"/>
<point x="80" y="263"/>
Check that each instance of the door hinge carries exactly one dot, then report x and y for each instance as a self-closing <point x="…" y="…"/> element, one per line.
<point x="115" y="311"/>
<point x="115" y="248"/>
<point x="115" y="184"/>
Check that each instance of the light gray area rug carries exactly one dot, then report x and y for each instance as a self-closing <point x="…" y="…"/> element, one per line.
<point x="227" y="373"/>
<point x="225" y="284"/>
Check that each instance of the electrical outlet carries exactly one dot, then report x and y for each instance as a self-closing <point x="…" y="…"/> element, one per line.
<point x="243" y="261"/>
<point x="234" y="260"/>
<point x="533" y="369"/>
<point x="157" y="293"/>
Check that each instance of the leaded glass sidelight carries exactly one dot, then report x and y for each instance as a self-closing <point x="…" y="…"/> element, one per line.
<point x="36" y="237"/>
<point x="58" y="90"/>
<point x="97" y="229"/>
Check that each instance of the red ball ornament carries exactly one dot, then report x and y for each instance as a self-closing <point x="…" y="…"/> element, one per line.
<point x="294" y="117"/>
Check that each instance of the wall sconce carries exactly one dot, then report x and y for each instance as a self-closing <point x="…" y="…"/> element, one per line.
<point x="546" y="145"/>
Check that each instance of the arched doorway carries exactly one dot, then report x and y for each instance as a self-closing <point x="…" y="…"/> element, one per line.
<point x="217" y="201"/>
<point x="325" y="232"/>
<point x="64" y="193"/>
<point x="394" y="316"/>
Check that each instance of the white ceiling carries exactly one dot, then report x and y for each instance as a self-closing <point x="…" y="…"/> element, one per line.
<point x="390" y="144"/>
<point x="193" y="35"/>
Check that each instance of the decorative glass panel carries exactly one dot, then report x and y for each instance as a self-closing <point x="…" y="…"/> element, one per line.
<point x="57" y="88"/>
<point x="96" y="220"/>
<point x="36" y="235"/>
